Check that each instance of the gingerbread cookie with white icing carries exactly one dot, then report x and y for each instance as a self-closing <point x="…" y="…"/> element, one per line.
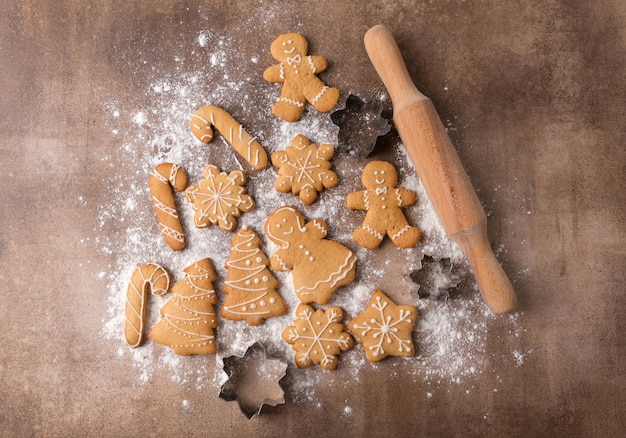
<point x="188" y="319"/>
<point x="250" y="287"/>
<point x="385" y="328"/>
<point x="318" y="336"/>
<point x="219" y="198"/>
<point x="383" y="202"/>
<point x="320" y="266"/>
<point x="297" y="71"/>
<point x="304" y="168"/>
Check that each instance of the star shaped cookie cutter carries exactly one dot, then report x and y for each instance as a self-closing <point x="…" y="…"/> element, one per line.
<point x="254" y="380"/>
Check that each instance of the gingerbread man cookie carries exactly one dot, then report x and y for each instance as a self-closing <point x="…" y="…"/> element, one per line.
<point x="319" y="265"/>
<point x="383" y="202"/>
<point x="297" y="72"/>
<point x="304" y="168"/>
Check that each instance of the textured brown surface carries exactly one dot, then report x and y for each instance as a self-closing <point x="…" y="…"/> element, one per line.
<point x="540" y="89"/>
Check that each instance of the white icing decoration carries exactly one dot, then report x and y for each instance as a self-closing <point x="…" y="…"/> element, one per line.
<point x="401" y="232"/>
<point x="320" y="94"/>
<point x="311" y="64"/>
<point x="373" y="232"/>
<point x="292" y="102"/>
<point x="294" y="59"/>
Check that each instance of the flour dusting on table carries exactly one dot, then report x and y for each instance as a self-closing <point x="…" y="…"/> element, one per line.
<point x="450" y="336"/>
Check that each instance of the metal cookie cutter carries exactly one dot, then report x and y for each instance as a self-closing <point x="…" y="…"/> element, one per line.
<point x="435" y="278"/>
<point x="253" y="380"/>
<point x="360" y="124"/>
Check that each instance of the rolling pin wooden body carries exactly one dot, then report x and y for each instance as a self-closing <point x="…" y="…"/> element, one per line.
<point x="440" y="170"/>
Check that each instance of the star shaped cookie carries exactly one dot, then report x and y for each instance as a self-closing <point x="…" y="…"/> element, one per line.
<point x="385" y="328"/>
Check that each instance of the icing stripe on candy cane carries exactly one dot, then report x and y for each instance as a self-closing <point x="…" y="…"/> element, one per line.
<point x="163" y="178"/>
<point x="144" y="277"/>
<point x="246" y="145"/>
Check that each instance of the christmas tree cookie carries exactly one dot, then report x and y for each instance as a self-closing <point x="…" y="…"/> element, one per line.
<point x="188" y="318"/>
<point x="249" y="285"/>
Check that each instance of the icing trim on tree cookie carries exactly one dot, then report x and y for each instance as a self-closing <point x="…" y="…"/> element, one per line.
<point x="188" y="318"/>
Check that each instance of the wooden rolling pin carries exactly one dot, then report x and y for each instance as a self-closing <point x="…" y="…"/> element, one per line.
<point x="440" y="170"/>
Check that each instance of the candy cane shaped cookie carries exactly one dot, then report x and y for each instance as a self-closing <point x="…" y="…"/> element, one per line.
<point x="162" y="179"/>
<point x="144" y="277"/>
<point x="246" y="145"/>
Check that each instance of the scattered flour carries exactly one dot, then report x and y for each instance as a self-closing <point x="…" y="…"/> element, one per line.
<point x="450" y="336"/>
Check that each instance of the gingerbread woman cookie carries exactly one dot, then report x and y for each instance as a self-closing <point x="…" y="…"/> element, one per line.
<point x="304" y="168"/>
<point x="319" y="265"/>
<point x="383" y="202"/>
<point x="297" y="72"/>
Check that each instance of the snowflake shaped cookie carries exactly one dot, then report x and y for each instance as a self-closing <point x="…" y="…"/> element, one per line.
<point x="219" y="198"/>
<point x="385" y="328"/>
<point x="317" y="336"/>
<point x="304" y="168"/>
